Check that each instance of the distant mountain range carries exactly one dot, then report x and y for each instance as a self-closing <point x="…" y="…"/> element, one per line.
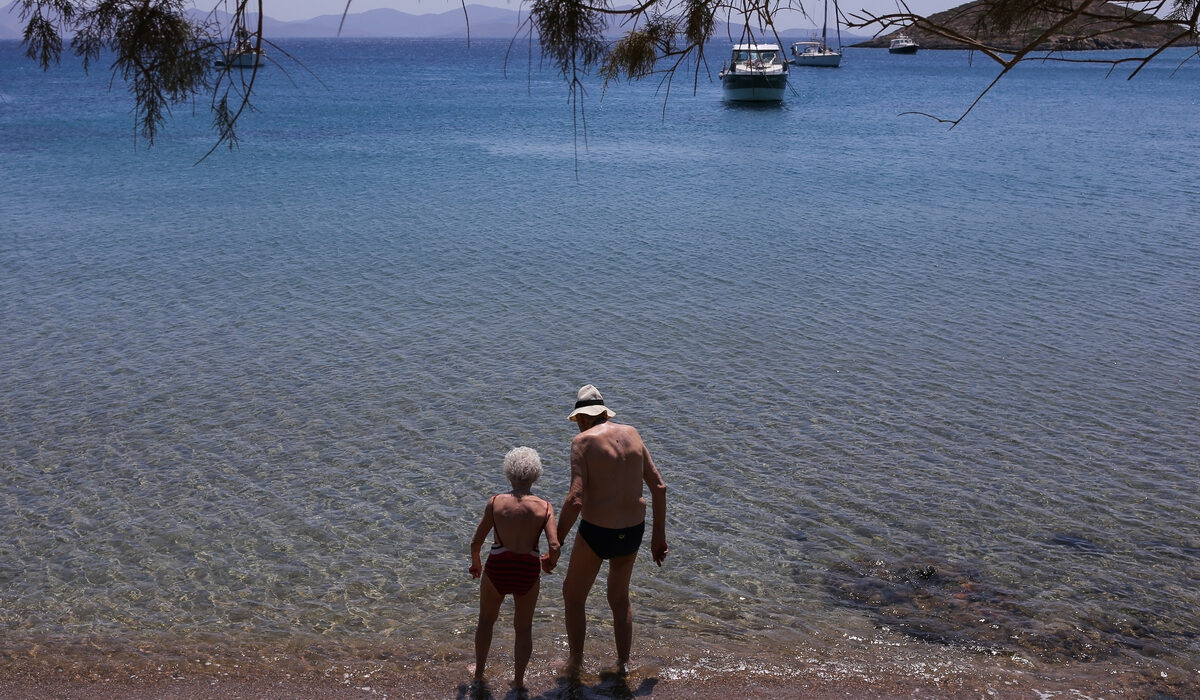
<point x="485" y="22"/>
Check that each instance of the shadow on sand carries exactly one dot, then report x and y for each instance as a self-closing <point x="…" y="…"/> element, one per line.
<point x="608" y="685"/>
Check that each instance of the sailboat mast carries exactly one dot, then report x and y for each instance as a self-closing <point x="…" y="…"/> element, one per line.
<point x="837" y="19"/>
<point x="825" y="27"/>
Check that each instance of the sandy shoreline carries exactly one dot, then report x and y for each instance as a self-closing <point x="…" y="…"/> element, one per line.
<point x="720" y="688"/>
<point x="405" y="683"/>
<point x="168" y="669"/>
<point x="854" y="668"/>
<point x="36" y="674"/>
<point x="264" y="689"/>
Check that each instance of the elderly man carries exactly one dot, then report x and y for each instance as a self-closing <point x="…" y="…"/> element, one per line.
<point x="609" y="464"/>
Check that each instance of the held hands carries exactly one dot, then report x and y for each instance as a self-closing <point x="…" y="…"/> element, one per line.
<point x="549" y="561"/>
<point x="476" y="569"/>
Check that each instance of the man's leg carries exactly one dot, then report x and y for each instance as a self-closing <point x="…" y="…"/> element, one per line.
<point x="620" y="570"/>
<point x="581" y="574"/>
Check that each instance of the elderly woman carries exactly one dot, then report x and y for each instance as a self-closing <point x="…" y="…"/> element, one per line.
<point x="518" y="518"/>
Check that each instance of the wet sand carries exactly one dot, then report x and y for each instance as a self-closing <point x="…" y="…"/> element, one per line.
<point x="266" y="689"/>
<point x="165" y="671"/>
<point x="402" y="685"/>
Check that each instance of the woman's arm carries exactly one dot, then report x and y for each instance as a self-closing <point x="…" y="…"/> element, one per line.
<point x="481" y="532"/>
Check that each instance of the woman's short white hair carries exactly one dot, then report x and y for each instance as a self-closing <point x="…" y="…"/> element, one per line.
<point x="522" y="465"/>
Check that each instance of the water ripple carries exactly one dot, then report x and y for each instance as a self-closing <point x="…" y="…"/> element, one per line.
<point x="274" y="422"/>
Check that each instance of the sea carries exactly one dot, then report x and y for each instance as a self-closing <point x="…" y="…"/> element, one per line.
<point x="925" y="394"/>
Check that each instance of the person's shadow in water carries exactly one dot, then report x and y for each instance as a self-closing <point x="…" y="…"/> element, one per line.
<point x="610" y="685"/>
<point x="479" y="691"/>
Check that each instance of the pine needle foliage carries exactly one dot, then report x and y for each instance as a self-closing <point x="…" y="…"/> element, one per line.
<point x="571" y="33"/>
<point x="163" y="56"/>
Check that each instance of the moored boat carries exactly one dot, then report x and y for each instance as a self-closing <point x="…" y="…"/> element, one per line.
<point x="243" y="54"/>
<point x="818" y="53"/>
<point x="814" y="53"/>
<point x="903" y="43"/>
<point x="240" y="59"/>
<point x="755" y="73"/>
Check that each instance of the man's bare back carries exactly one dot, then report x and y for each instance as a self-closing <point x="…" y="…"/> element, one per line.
<point x="612" y="460"/>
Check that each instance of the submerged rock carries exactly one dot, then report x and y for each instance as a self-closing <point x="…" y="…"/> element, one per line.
<point x="946" y="603"/>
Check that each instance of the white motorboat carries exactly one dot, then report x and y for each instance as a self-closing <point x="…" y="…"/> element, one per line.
<point x="755" y="73"/>
<point x="903" y="43"/>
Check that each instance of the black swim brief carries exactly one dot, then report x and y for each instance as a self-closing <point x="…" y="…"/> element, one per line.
<point x="608" y="543"/>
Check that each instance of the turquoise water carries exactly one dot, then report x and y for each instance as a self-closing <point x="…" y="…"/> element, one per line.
<point x="925" y="399"/>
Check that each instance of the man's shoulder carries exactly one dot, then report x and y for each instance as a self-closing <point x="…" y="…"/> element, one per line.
<point x="604" y="431"/>
<point x="626" y="431"/>
<point x="613" y="436"/>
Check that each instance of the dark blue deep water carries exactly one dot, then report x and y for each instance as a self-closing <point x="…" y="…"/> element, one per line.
<point x="927" y="400"/>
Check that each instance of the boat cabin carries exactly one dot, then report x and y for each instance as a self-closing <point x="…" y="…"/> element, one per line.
<point x="756" y="56"/>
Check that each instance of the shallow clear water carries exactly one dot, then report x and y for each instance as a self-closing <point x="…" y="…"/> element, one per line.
<point x="925" y="399"/>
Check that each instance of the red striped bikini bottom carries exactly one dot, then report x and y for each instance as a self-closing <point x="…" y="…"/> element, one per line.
<point x="512" y="573"/>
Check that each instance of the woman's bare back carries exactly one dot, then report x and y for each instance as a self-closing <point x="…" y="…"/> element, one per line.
<point x="519" y="520"/>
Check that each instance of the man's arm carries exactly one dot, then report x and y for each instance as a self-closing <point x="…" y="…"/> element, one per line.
<point x="553" y="549"/>
<point x="573" y="505"/>
<point x="658" y="507"/>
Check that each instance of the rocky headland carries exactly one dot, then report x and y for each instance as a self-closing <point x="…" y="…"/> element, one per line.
<point x="1104" y="26"/>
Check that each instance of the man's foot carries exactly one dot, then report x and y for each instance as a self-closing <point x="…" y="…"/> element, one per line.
<point x="518" y="687"/>
<point x="571" y="668"/>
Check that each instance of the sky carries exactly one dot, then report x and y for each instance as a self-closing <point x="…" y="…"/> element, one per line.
<point x="306" y="9"/>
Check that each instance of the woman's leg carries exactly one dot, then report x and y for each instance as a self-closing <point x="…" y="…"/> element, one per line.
<point x="489" y="609"/>
<point x="523" y="626"/>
